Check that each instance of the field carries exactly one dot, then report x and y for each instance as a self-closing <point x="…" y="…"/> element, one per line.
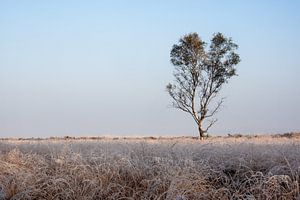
<point x="262" y="167"/>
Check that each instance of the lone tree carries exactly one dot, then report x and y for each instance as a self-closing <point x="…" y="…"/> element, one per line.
<point x="200" y="72"/>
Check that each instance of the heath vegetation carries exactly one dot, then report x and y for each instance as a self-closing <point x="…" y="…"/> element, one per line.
<point x="231" y="167"/>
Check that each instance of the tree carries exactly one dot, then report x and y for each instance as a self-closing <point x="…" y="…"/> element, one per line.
<point x="200" y="72"/>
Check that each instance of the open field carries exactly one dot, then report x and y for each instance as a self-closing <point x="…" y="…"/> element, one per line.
<point x="179" y="169"/>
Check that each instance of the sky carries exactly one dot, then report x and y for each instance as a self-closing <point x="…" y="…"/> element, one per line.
<point x="93" y="68"/>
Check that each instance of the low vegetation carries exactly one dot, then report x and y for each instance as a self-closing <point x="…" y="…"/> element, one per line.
<point x="233" y="167"/>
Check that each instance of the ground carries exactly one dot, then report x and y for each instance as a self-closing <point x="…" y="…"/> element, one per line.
<point x="234" y="167"/>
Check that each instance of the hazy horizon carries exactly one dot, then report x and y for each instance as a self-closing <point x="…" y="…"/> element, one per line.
<point x="100" y="68"/>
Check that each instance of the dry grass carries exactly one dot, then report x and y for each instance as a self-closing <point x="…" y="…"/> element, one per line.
<point x="182" y="168"/>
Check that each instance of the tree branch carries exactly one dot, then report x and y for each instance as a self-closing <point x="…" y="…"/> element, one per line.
<point x="211" y="123"/>
<point x="215" y="110"/>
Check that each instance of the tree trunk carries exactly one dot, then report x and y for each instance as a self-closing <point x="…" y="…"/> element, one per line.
<point x="201" y="132"/>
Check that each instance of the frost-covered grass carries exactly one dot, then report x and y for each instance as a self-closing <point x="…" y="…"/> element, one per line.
<point x="217" y="168"/>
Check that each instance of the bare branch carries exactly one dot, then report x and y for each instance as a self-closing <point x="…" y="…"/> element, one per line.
<point x="216" y="109"/>
<point x="211" y="123"/>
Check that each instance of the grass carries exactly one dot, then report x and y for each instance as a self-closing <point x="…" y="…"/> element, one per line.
<point x="151" y="168"/>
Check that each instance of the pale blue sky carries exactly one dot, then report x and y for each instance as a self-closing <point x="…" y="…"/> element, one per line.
<point x="100" y="67"/>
